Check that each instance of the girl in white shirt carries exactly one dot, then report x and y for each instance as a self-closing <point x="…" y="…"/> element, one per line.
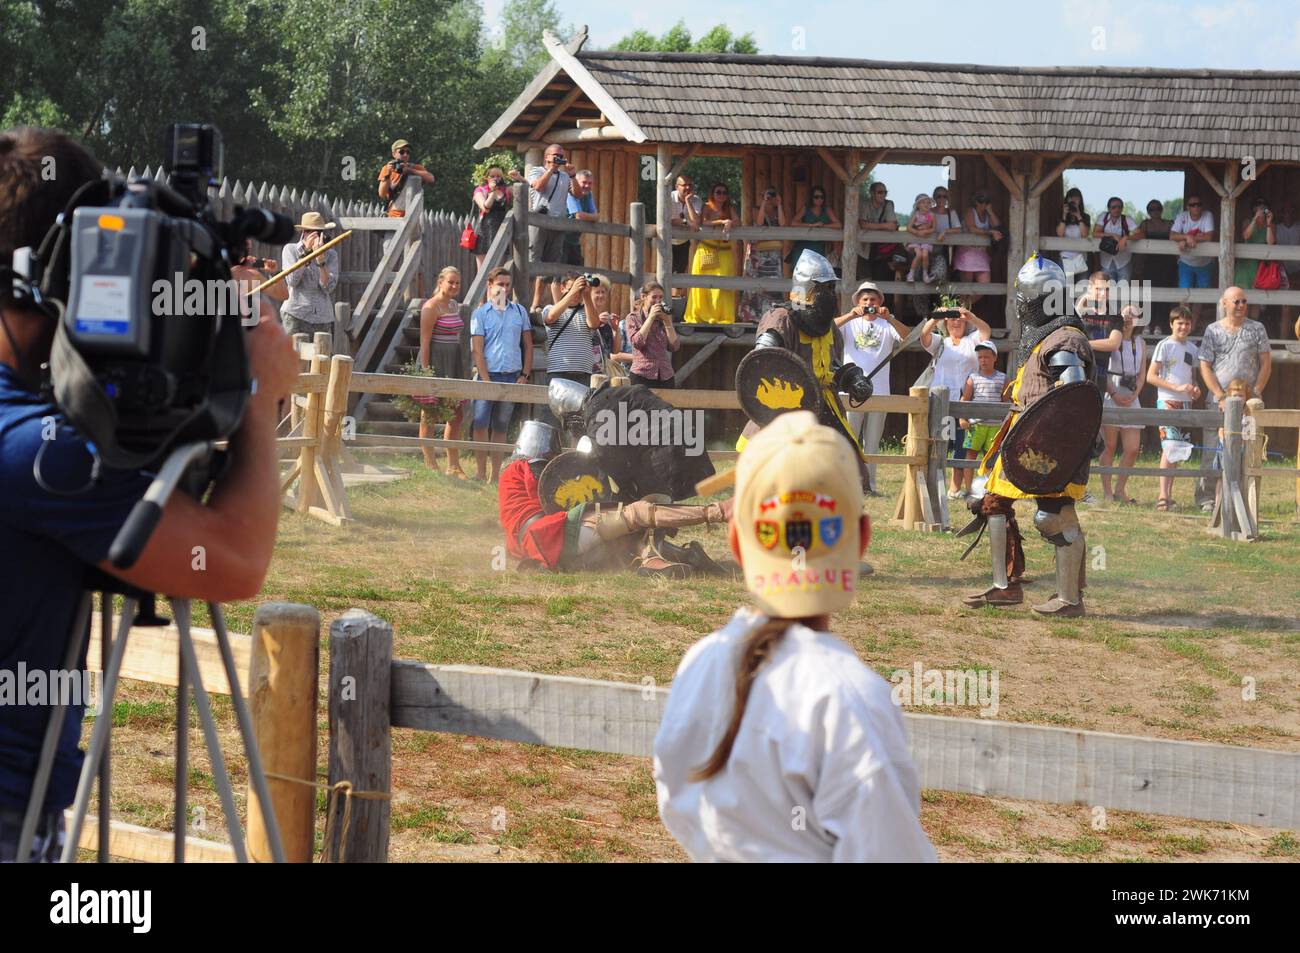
<point x="777" y="743"/>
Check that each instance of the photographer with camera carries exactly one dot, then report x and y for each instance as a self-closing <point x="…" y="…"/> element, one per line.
<point x="57" y="524"/>
<point x="492" y="200"/>
<point x="309" y="308"/>
<point x="570" y="323"/>
<point x="653" y="338"/>
<point x="870" y="334"/>
<point x="1075" y="223"/>
<point x="395" y="173"/>
<point x="552" y="183"/>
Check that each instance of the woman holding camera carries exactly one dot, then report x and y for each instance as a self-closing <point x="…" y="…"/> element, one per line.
<point x="1123" y="381"/>
<point x="492" y="199"/>
<point x="1258" y="230"/>
<point x="652" y="336"/>
<point x="1075" y="223"/>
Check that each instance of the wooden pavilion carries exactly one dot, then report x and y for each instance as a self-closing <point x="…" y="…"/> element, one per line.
<point x="796" y="123"/>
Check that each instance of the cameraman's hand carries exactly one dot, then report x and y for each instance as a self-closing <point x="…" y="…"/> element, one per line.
<point x="272" y="363"/>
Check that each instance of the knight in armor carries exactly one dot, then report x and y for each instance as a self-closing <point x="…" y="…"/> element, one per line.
<point x="1043" y="448"/>
<point x="807" y="329"/>
<point x="593" y="534"/>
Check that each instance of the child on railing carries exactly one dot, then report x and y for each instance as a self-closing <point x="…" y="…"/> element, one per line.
<point x="922" y="226"/>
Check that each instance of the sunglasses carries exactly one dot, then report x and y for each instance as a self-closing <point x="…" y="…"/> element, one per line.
<point x="1237" y="301"/>
<point x="1193" y="204"/>
<point x="817" y="197"/>
<point x="403" y="152"/>
<point x="721" y="192"/>
<point x="879" y="192"/>
<point x="941" y="195"/>
<point x="1116" y="208"/>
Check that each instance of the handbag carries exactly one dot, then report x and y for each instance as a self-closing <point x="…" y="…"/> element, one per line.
<point x="469" y="235"/>
<point x="1269" y="276"/>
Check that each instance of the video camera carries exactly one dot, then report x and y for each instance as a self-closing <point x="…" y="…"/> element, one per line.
<point x="149" y="351"/>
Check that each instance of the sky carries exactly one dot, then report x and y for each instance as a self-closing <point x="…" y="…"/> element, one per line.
<point x="1228" y="34"/>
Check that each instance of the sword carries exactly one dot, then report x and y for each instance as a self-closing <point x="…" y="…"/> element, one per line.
<point x="912" y="336"/>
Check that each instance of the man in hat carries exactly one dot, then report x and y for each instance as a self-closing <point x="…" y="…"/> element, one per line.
<point x="395" y="173"/>
<point x="309" y="308"/>
<point x="807" y="329"/>
<point x="589" y="535"/>
<point x="1054" y="352"/>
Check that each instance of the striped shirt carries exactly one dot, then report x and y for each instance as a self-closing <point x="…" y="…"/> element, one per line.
<point x="569" y="344"/>
<point x="987" y="390"/>
<point x="447" y="327"/>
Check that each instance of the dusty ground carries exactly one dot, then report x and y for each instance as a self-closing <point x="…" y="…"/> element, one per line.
<point x="1178" y="620"/>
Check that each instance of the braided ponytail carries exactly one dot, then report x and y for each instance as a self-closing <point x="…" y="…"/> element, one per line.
<point x="757" y="649"/>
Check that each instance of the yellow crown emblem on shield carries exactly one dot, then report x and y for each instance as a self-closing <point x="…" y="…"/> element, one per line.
<point x="779" y="395"/>
<point x="1036" y="462"/>
<point x="581" y="489"/>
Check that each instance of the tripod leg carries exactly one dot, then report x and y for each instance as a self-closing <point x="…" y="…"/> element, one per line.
<point x="256" y="773"/>
<point x="181" y="778"/>
<point x="106" y="764"/>
<point x="99" y="736"/>
<point x="45" y="765"/>
<point x="181" y="609"/>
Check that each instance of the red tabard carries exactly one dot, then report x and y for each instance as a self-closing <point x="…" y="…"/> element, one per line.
<point x="517" y="500"/>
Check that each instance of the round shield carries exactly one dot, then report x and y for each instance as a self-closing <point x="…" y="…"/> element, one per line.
<point x="572" y="478"/>
<point x="771" y="381"/>
<point x="1052" y="439"/>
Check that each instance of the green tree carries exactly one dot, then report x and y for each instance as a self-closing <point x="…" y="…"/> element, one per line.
<point x="678" y="40"/>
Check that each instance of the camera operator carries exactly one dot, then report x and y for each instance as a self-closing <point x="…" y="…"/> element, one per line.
<point x="51" y="535"/>
<point x="552" y="183"/>
<point x="309" y="308"/>
<point x="394" y="174"/>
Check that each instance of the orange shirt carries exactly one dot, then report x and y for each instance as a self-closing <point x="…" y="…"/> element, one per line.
<point x="393" y="178"/>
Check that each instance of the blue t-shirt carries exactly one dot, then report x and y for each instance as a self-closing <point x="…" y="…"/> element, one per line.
<point x="585" y="204"/>
<point x="501" y="332"/>
<point x="47" y="542"/>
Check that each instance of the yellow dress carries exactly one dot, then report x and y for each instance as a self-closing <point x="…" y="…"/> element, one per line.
<point x="991" y="464"/>
<point x="711" y="305"/>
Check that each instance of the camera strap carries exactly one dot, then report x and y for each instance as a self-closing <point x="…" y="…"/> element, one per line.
<point x="87" y="406"/>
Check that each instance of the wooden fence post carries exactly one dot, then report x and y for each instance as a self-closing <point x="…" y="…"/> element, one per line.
<point x="282" y="689"/>
<point x="909" y="508"/>
<point x="636" y="246"/>
<point x="1256" y="457"/>
<point x="519" y="244"/>
<point x="311" y="426"/>
<point x="360" y="724"/>
<point x="1235" y="517"/>
<point x="296" y="401"/>
<point x="342" y="316"/>
<point x="663" y="219"/>
<point x="937" y="455"/>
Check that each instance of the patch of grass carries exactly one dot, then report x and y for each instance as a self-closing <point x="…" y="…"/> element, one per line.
<point x="1175" y="845"/>
<point x="151" y="714"/>
<point x="1283" y="844"/>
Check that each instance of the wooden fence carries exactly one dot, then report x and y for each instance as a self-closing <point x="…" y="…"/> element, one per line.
<point x="278" y="666"/>
<point x="439" y="231"/>
<point x="321" y="432"/>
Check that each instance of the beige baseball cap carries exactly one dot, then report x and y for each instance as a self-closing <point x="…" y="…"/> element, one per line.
<point x="796" y="517"/>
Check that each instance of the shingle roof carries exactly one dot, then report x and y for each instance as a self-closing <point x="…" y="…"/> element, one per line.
<point x="731" y="99"/>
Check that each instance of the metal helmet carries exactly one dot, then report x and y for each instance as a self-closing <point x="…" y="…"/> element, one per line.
<point x="566" y="396"/>
<point x="810" y="271"/>
<point x="537" y="441"/>
<point x="1041" y="291"/>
